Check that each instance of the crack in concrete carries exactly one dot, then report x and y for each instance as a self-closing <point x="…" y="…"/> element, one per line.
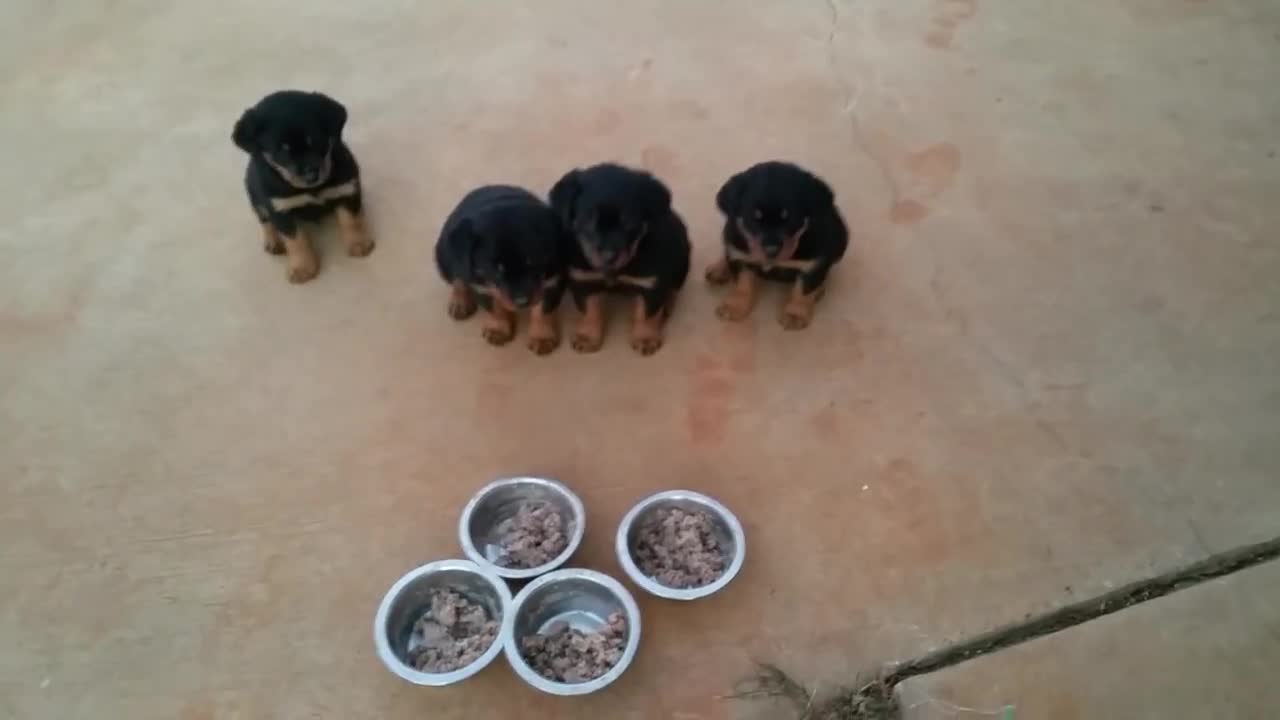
<point x="873" y="696"/>
<point x="1069" y="616"/>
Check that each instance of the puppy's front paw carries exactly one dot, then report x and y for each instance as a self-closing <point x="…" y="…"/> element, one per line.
<point x="733" y="310"/>
<point x="646" y="345"/>
<point x="461" y="307"/>
<point x="586" y="342"/>
<point x="796" y="316"/>
<point x="302" y="269"/>
<point x="360" y="246"/>
<point x="496" y="336"/>
<point x="718" y="273"/>
<point x="543" y="345"/>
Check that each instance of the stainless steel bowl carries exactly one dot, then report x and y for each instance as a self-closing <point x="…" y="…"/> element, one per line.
<point x="582" y="598"/>
<point x="498" y="501"/>
<point x="727" y="530"/>
<point x="407" y="599"/>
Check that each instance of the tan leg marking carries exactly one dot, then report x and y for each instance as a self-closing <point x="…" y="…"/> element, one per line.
<point x="499" y="325"/>
<point x="588" y="336"/>
<point x="798" y="312"/>
<point x="544" y="330"/>
<point x="718" y="272"/>
<point x="303" y="264"/>
<point x="354" y="233"/>
<point x="271" y="239"/>
<point x="741" y="299"/>
<point x="646" y="330"/>
<point x="462" y="301"/>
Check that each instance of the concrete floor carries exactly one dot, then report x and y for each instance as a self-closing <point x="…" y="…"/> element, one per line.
<point x="1048" y="366"/>
<point x="1208" y="652"/>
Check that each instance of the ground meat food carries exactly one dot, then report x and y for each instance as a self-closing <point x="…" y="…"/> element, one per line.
<point x="534" y="536"/>
<point x="451" y="634"/>
<point x="678" y="548"/>
<point x="568" y="655"/>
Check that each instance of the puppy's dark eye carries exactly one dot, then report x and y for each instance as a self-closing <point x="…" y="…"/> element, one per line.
<point x="783" y="214"/>
<point x="758" y="214"/>
<point x="284" y="147"/>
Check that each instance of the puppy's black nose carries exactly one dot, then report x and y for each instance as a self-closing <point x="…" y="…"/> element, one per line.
<point x="521" y="300"/>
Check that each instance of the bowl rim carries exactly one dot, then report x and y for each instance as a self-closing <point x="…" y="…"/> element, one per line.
<point x="418" y="677"/>
<point x="623" y="549"/>
<point x="511" y="644"/>
<point x="575" y="539"/>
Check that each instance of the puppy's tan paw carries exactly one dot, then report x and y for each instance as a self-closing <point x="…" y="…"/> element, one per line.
<point x="646" y="345"/>
<point x="496" y="336"/>
<point x="718" y="273"/>
<point x="361" y="246"/>
<point x="461" y="308"/>
<point x="796" y="316"/>
<point x="543" y="345"/>
<point x="586" y="343"/>
<point x="273" y="244"/>
<point x="732" y="310"/>
<point x="301" y="271"/>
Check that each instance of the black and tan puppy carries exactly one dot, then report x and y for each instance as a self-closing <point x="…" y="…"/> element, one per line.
<point x="300" y="171"/>
<point x="626" y="239"/>
<point x="781" y="224"/>
<point x="502" y="248"/>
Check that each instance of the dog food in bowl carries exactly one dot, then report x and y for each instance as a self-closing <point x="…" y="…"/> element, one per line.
<point x="453" y="633"/>
<point x="533" y="537"/>
<point x="677" y="547"/>
<point x="568" y="655"/>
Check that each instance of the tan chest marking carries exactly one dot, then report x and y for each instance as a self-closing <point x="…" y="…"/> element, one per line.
<point x="643" y="283"/>
<point x="790" y="264"/>
<point x="320" y="197"/>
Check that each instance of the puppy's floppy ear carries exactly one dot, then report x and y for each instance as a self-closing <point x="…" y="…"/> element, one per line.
<point x="729" y="198"/>
<point x="655" y="198"/>
<point x="332" y="113"/>
<point x="245" y="133"/>
<point x="463" y="240"/>
<point x="564" y="195"/>
<point x="818" y="194"/>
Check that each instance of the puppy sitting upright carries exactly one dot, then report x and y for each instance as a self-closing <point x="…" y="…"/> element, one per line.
<point x="502" y="248"/>
<point x="300" y="171"/>
<point x="627" y="239"/>
<point x="781" y="224"/>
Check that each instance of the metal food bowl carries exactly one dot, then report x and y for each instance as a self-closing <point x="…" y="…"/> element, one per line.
<point x="498" y="501"/>
<point x="582" y="598"/>
<point x="407" y="600"/>
<point x="728" y="532"/>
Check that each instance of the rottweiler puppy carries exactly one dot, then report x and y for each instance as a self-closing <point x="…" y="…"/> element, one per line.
<point x="626" y="239"/>
<point x="300" y="171"/>
<point x="781" y="224"/>
<point x="502" y="248"/>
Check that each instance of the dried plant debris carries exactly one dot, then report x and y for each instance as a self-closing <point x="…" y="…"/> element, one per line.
<point x="872" y="701"/>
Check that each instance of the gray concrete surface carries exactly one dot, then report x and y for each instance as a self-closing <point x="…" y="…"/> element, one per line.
<point x="1048" y="366"/>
